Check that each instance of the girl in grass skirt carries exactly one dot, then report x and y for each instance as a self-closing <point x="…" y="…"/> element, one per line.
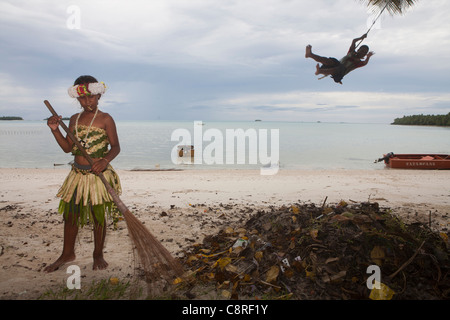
<point x="83" y="195"/>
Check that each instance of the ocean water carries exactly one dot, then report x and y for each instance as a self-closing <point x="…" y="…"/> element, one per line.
<point x="299" y="145"/>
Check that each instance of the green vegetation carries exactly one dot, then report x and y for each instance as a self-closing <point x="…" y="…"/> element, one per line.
<point x="11" y="118"/>
<point x="424" y="120"/>
<point x="97" y="290"/>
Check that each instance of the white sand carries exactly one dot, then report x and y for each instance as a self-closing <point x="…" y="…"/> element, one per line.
<point x="203" y="201"/>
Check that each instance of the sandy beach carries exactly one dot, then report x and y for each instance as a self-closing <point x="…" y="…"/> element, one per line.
<point x="180" y="208"/>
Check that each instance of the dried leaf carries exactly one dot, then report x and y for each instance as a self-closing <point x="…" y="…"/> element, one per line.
<point x="258" y="255"/>
<point x="229" y="230"/>
<point x="377" y="255"/>
<point x="327" y="210"/>
<point x="342" y="203"/>
<point x="330" y="260"/>
<point x="382" y="293"/>
<point x="226" y="294"/>
<point x="191" y="259"/>
<point x="340" y="218"/>
<point x="237" y="250"/>
<point x="292" y="244"/>
<point x="223" y="262"/>
<point x="334" y="277"/>
<point x="231" y="268"/>
<point x="246" y="278"/>
<point x="289" y="273"/>
<point x="310" y="272"/>
<point x="313" y="233"/>
<point x="297" y="265"/>
<point x="272" y="274"/>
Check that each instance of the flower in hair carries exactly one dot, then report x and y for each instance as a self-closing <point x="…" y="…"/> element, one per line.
<point x="87" y="89"/>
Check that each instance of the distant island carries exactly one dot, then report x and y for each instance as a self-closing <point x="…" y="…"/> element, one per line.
<point x="424" y="120"/>
<point x="63" y="118"/>
<point x="11" y="118"/>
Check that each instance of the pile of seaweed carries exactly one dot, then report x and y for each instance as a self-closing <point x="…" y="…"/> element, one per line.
<point x="305" y="251"/>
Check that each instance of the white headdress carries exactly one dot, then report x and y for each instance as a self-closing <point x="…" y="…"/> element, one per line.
<point x="87" y="89"/>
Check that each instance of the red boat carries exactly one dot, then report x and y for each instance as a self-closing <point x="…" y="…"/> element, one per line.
<point x="416" y="161"/>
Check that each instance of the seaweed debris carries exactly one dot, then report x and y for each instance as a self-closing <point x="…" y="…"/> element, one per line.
<point x="305" y="251"/>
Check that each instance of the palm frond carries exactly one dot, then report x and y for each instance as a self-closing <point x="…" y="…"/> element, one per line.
<point x="392" y="6"/>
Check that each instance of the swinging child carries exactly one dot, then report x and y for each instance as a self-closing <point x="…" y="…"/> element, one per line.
<point x="338" y="69"/>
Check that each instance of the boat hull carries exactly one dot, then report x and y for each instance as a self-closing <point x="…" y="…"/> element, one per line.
<point x="419" y="161"/>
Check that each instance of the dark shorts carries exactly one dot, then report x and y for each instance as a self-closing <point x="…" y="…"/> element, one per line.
<point x="334" y="63"/>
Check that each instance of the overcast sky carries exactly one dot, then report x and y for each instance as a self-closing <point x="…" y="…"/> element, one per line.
<point x="223" y="59"/>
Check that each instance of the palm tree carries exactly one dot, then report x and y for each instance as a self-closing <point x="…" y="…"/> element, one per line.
<point x="392" y="6"/>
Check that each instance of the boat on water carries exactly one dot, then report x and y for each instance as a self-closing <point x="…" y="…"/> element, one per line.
<point x="416" y="161"/>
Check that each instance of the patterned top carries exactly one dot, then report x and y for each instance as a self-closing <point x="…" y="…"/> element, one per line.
<point x="96" y="143"/>
<point x="351" y="62"/>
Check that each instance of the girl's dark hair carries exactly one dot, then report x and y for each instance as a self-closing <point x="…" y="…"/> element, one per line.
<point x="364" y="47"/>
<point x="85" y="79"/>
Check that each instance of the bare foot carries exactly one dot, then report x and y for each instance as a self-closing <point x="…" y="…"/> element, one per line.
<point x="308" y="51"/>
<point x="59" y="262"/>
<point x="99" y="263"/>
<point x="317" y="69"/>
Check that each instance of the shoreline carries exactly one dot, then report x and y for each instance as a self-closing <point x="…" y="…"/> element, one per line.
<point x="181" y="207"/>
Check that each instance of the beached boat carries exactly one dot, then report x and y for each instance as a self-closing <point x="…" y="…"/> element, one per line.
<point x="416" y="161"/>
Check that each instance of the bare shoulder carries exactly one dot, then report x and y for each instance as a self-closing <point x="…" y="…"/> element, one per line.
<point x="107" y="120"/>
<point x="106" y="117"/>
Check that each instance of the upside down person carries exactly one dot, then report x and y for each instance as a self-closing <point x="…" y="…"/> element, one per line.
<point x="338" y="69"/>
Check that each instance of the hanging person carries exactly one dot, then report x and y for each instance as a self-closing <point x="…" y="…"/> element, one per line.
<point x="338" y="69"/>
<point x="83" y="195"/>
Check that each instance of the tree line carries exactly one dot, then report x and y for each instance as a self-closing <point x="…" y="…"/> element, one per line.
<point x="424" y="120"/>
<point x="11" y="118"/>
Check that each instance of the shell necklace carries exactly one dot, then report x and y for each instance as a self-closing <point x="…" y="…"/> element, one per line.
<point x="83" y="143"/>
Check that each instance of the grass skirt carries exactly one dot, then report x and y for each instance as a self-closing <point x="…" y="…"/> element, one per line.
<point x="85" y="196"/>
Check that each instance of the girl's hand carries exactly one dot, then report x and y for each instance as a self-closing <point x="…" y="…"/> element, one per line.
<point x="99" y="165"/>
<point x="53" y="122"/>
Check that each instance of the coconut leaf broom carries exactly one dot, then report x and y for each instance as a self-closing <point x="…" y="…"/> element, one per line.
<point x="159" y="265"/>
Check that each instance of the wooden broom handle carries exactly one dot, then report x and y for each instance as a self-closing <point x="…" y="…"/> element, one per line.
<point x="70" y="134"/>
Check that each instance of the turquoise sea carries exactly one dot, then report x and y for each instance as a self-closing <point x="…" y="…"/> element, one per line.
<point x="300" y="145"/>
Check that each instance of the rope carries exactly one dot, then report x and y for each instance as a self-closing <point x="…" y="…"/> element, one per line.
<point x="373" y="23"/>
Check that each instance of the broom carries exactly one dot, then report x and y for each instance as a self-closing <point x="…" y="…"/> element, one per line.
<point x="157" y="261"/>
